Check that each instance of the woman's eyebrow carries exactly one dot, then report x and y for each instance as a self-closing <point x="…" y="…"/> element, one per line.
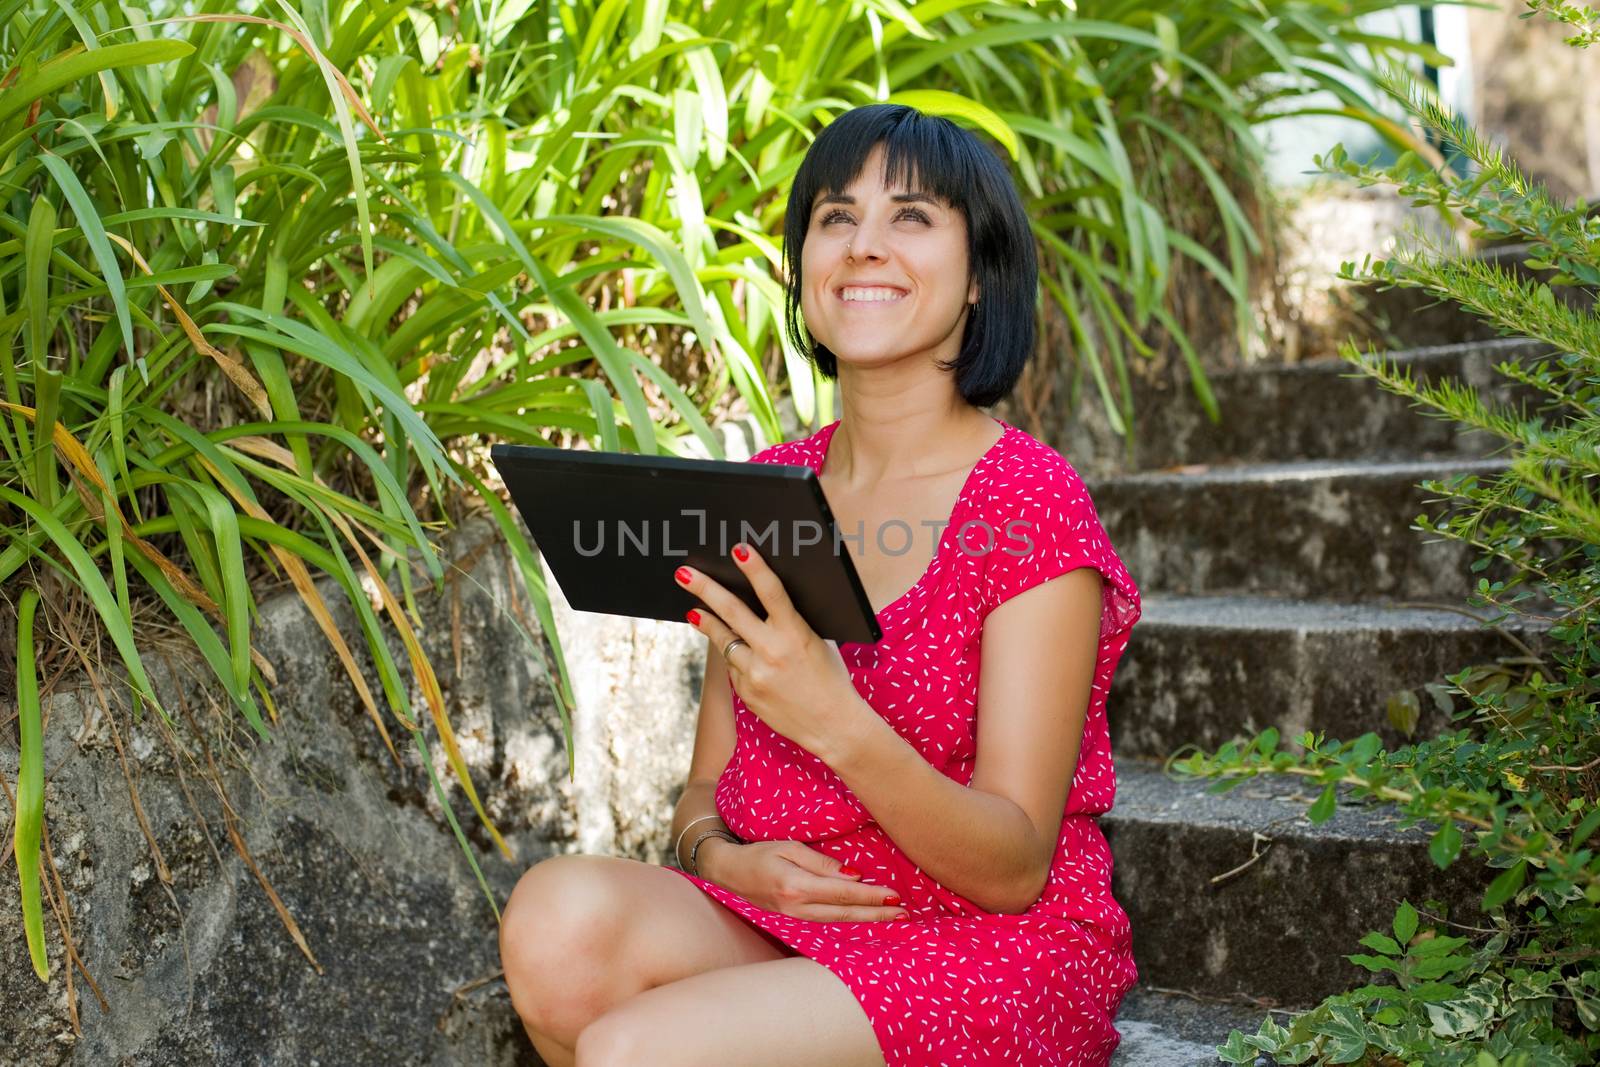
<point x="899" y="198"/>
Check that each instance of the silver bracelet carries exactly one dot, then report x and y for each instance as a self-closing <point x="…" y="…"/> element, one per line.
<point x="676" y="856"/>
<point x="694" y="865"/>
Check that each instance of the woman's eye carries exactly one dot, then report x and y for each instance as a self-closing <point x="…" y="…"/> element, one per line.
<point x="911" y="211"/>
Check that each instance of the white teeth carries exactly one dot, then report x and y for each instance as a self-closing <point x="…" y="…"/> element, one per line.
<point x="870" y="294"/>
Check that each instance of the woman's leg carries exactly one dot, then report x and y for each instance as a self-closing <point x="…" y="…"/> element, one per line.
<point x="581" y="934"/>
<point x="779" y="1013"/>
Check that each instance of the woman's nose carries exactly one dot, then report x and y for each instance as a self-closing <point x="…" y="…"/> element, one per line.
<point x="867" y="240"/>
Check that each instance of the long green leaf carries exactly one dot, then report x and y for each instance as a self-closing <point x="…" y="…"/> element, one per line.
<point x="28" y="830"/>
<point x="95" y="234"/>
<point x="71" y="67"/>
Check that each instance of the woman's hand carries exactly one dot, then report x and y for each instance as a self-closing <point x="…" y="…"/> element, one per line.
<point x="791" y="679"/>
<point x="794" y="879"/>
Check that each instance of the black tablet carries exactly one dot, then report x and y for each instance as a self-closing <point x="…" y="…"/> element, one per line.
<point x="613" y="526"/>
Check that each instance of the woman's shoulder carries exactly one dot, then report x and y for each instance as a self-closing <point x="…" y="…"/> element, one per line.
<point x="1029" y="474"/>
<point x="1032" y="493"/>
<point x="1044" y="523"/>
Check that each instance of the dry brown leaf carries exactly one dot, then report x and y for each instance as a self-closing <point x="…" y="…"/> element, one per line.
<point x="232" y="366"/>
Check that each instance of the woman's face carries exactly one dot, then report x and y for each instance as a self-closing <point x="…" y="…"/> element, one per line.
<point x="884" y="279"/>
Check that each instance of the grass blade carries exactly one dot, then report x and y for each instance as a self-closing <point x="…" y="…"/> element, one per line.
<point x="29" y="829"/>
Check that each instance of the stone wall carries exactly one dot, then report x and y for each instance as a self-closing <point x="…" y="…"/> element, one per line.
<point x="199" y="967"/>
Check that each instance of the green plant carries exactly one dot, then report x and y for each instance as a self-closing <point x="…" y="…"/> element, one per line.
<point x="1517" y="784"/>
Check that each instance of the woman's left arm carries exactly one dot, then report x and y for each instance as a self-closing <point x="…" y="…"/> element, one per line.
<point x="992" y="841"/>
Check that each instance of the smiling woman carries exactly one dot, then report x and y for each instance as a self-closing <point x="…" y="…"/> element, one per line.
<point x="888" y="852"/>
<point x="885" y="178"/>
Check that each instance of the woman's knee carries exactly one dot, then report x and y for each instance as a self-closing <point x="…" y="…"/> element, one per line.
<point x="560" y="934"/>
<point x="606" y="1044"/>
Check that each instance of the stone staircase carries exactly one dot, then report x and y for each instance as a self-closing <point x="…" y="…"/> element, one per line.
<point x="1282" y="587"/>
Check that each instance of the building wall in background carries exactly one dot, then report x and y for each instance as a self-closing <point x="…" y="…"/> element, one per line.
<point x="1539" y="98"/>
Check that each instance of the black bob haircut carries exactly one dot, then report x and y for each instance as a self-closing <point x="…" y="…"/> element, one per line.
<point x="949" y="162"/>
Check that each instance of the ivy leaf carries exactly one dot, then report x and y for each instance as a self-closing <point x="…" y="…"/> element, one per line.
<point x="1588" y="1007"/>
<point x="1234" y="1050"/>
<point x="1278" y="1035"/>
<point x="1348" y="1034"/>
<point x="1445" y="845"/>
<point x="1293" y="1054"/>
<point x="1468" y="1017"/>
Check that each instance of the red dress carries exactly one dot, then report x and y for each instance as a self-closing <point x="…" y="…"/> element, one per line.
<point x="957" y="985"/>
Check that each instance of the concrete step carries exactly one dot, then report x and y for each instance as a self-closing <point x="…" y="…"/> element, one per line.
<point x="1282" y="411"/>
<point x="1407" y="322"/>
<point x="1208" y="919"/>
<point x="1207" y="669"/>
<point x="1317" y="528"/>
<point x="1164" y="1029"/>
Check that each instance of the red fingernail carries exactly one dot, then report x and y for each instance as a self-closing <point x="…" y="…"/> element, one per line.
<point x="891" y="900"/>
<point x="902" y="915"/>
<point x="849" y="872"/>
<point x="693" y="616"/>
<point x="683" y="574"/>
<point x="741" y="553"/>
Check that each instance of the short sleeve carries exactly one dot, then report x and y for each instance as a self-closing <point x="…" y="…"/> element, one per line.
<point x="1043" y="524"/>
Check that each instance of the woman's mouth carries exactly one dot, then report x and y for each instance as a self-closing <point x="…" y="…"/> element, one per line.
<point x="866" y="296"/>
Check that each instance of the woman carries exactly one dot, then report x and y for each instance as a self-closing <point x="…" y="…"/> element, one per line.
<point x="910" y="873"/>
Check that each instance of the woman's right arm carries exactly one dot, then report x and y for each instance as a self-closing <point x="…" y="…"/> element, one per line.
<point x="713" y="750"/>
